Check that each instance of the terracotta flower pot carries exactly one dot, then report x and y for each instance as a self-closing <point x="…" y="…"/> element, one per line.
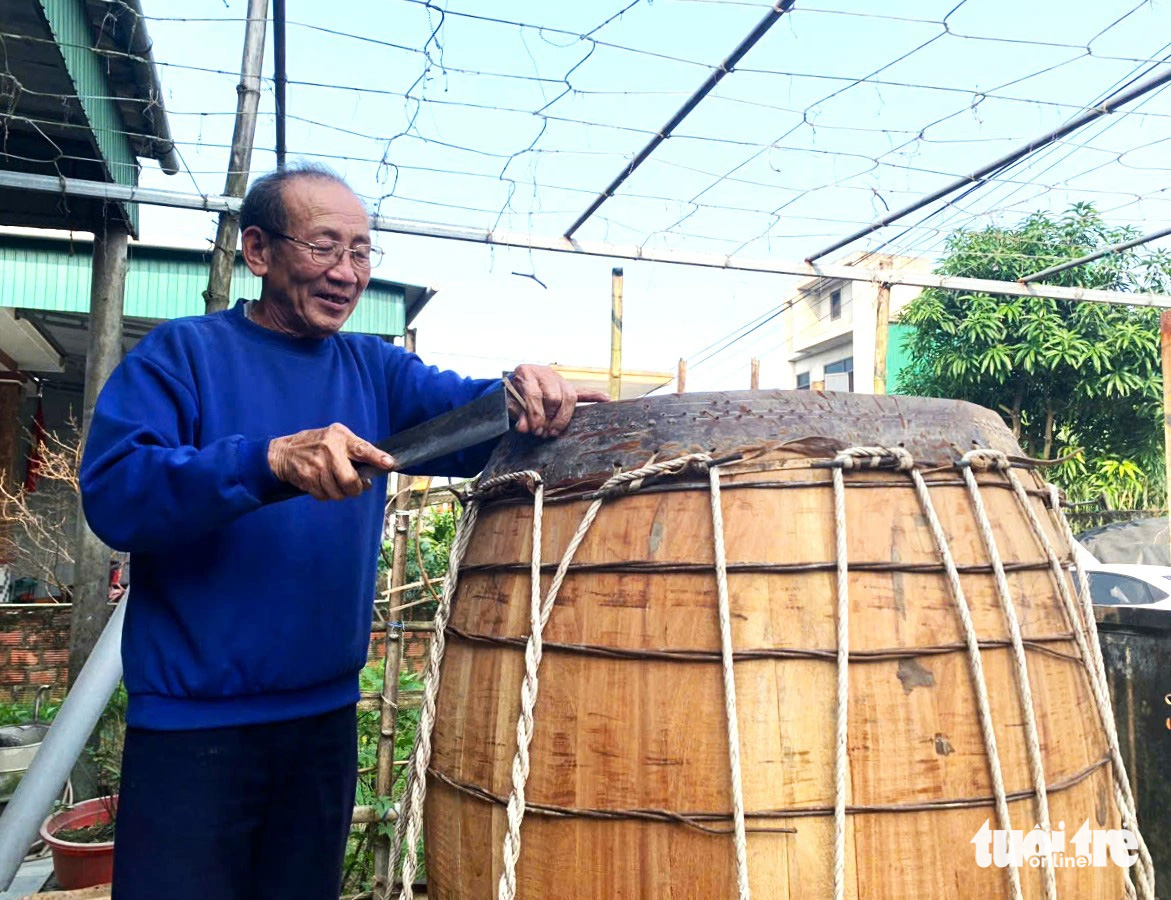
<point x="80" y="865"/>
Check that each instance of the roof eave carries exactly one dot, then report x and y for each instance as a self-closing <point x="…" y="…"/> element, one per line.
<point x="120" y="27"/>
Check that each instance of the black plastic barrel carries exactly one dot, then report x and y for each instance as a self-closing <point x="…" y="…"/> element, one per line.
<point x="1136" y="644"/>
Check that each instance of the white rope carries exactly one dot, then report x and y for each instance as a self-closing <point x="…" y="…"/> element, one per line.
<point x="1099" y="673"/>
<point x="410" y="821"/>
<point x="985" y="459"/>
<point x="975" y="665"/>
<point x="897" y="458"/>
<point x="1091" y="655"/>
<point x="409" y="825"/>
<point x="841" y="748"/>
<point x="528" y="693"/>
<point x="533" y="647"/>
<point x="739" y="830"/>
<point x="1122" y="789"/>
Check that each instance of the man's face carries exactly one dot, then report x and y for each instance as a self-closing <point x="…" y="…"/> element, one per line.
<point x="307" y="298"/>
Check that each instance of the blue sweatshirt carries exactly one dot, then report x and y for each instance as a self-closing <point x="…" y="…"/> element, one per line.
<point x="245" y="610"/>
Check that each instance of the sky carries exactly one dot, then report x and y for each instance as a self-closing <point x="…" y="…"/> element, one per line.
<point x="844" y="110"/>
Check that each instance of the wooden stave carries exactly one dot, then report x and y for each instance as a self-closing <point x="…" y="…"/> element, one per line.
<point x="597" y="874"/>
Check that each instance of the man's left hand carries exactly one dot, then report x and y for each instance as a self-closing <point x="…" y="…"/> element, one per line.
<point x="549" y="400"/>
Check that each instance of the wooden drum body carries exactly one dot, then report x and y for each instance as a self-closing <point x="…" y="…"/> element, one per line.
<point x="630" y="794"/>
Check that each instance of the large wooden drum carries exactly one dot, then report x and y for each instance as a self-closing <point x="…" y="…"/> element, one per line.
<point x="629" y="791"/>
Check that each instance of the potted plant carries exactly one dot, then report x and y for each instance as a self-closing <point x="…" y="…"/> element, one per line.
<point x="82" y="840"/>
<point x="82" y="836"/>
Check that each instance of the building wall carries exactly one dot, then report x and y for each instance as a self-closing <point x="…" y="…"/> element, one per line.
<point x="814" y="364"/>
<point x="161" y="283"/>
<point x="34" y="649"/>
<point x="416" y="646"/>
<point x="815" y="339"/>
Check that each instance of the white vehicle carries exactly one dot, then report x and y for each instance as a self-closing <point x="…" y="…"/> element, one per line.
<point x="1127" y="584"/>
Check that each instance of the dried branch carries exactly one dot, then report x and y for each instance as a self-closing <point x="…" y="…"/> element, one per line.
<point x="35" y="538"/>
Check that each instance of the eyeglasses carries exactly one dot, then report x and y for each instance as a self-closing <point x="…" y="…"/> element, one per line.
<point x="330" y="253"/>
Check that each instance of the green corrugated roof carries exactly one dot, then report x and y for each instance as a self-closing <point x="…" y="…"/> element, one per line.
<point x="71" y="28"/>
<point x="161" y="283"/>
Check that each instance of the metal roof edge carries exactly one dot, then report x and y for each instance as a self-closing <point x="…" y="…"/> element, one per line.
<point x="416" y="298"/>
<point x="136" y="43"/>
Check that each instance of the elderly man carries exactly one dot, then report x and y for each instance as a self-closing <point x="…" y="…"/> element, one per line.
<point x="250" y="618"/>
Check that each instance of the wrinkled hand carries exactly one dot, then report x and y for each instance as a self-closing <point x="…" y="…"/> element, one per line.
<point x="548" y="400"/>
<point x="321" y="461"/>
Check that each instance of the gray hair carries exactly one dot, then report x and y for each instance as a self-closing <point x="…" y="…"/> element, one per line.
<point x="264" y="204"/>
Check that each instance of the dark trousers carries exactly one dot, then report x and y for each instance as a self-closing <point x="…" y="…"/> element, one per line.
<point x="243" y="813"/>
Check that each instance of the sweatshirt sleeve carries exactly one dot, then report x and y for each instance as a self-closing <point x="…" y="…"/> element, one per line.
<point x="144" y="484"/>
<point x="419" y="392"/>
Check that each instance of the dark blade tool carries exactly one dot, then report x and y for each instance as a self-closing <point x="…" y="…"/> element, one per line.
<point x="463" y="427"/>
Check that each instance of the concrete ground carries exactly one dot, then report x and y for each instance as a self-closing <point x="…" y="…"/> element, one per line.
<point x="30" y="878"/>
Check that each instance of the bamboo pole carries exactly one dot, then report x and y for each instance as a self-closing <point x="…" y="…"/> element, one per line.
<point x="405" y="587"/>
<point x="392" y="660"/>
<point x="366" y="815"/>
<point x="223" y="253"/>
<point x="754" y="377"/>
<point x="881" y="337"/>
<point x="371" y="701"/>
<point x="91" y="581"/>
<point x="616" y="334"/>
<point x="681" y="376"/>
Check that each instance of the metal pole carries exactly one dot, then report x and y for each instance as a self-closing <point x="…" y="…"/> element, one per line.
<point x="63" y="744"/>
<point x="223" y="254"/>
<point x="1097" y="254"/>
<point x="754" y="377"/>
<point x="770" y="18"/>
<point x="91" y="568"/>
<point x="1008" y="159"/>
<point x="1165" y="346"/>
<point x="73" y="187"/>
<point x="616" y="334"/>
<point x="281" y="77"/>
<point x="778" y="267"/>
<point x="681" y="376"/>
<point x="881" y="337"/>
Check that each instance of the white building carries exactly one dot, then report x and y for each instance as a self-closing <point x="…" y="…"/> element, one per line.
<point x="830" y="330"/>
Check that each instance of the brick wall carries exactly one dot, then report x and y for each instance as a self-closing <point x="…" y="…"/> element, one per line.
<point x="34" y="649"/>
<point x="415" y="647"/>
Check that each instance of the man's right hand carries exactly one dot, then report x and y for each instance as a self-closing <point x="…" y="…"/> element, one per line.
<point x="321" y="461"/>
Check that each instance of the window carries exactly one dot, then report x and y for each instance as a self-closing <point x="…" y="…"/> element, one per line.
<point x="835" y="305"/>
<point x="802" y="381"/>
<point x="839" y="376"/>
<point x="1110" y="589"/>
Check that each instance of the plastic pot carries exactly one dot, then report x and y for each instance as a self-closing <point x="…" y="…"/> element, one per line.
<point x="80" y="865"/>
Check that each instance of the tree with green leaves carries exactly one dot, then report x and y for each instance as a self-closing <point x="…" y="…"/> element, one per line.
<point x="1067" y="376"/>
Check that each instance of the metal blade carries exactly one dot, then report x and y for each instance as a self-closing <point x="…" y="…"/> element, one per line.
<point x="471" y="424"/>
